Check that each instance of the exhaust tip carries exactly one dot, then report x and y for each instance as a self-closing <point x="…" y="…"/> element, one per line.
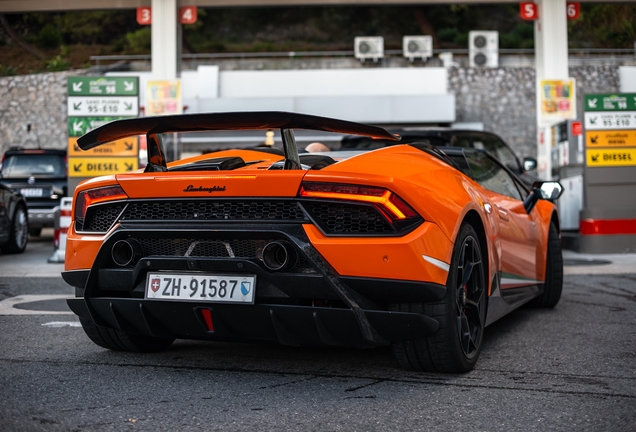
<point x="126" y="253"/>
<point x="279" y="256"/>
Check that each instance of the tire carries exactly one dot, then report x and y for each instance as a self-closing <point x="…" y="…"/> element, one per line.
<point x="18" y="237"/>
<point x="461" y="314"/>
<point x="553" y="273"/>
<point x="35" y="232"/>
<point x="118" y="340"/>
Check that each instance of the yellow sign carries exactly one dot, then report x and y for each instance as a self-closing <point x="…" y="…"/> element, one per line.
<point x="93" y="166"/>
<point x="163" y="98"/>
<point x="604" y="157"/>
<point x="558" y="99"/>
<point x="123" y="147"/>
<point x="610" y="138"/>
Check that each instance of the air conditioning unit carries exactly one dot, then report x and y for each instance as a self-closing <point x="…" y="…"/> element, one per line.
<point x="483" y="48"/>
<point x="368" y="47"/>
<point x="417" y="47"/>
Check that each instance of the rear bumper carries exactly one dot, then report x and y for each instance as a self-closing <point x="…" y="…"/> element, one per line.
<point x="42" y="218"/>
<point x="287" y="325"/>
<point x="309" y="304"/>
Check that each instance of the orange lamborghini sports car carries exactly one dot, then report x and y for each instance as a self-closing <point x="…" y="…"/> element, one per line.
<point x="411" y="245"/>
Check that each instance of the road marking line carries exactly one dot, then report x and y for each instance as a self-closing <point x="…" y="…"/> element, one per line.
<point x="57" y="324"/>
<point x="7" y="305"/>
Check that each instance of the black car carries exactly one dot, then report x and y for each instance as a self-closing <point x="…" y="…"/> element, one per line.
<point x="14" y="223"/>
<point x="444" y="137"/>
<point x="40" y="176"/>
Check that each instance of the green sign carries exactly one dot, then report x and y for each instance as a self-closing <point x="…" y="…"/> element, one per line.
<point x="610" y="102"/>
<point x="78" y="126"/>
<point x="103" y="86"/>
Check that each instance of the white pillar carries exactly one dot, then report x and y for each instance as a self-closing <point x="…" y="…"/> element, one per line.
<point x="551" y="62"/>
<point x="164" y="39"/>
<point x="551" y="40"/>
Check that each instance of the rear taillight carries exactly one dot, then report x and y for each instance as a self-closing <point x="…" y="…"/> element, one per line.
<point x="87" y="198"/>
<point x="389" y="203"/>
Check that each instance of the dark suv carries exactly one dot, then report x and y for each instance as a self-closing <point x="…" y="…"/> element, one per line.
<point x="444" y="137"/>
<point x="40" y="177"/>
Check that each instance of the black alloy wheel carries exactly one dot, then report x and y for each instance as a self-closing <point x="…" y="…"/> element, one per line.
<point x="461" y="314"/>
<point x="19" y="234"/>
<point x="553" y="285"/>
<point x="470" y="297"/>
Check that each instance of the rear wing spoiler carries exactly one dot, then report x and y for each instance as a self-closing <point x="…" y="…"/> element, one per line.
<point x="285" y="121"/>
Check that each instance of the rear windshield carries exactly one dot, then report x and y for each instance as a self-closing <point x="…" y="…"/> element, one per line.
<point x="359" y="142"/>
<point x="26" y="165"/>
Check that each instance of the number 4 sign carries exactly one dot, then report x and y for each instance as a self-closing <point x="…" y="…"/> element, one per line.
<point x="188" y="15"/>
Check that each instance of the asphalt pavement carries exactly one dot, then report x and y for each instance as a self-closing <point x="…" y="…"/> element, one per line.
<point x="562" y="369"/>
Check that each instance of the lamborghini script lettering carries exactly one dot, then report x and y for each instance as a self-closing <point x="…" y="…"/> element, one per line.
<point x="191" y="188"/>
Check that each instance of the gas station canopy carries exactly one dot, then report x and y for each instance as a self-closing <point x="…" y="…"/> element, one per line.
<point x="59" y="5"/>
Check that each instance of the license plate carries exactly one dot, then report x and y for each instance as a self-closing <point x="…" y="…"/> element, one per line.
<point x="31" y="192"/>
<point x="201" y="287"/>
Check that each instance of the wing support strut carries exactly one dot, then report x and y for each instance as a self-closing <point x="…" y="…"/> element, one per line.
<point x="156" y="155"/>
<point x="292" y="160"/>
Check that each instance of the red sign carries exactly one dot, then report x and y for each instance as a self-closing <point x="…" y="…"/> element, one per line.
<point x="577" y="128"/>
<point x="188" y="15"/>
<point x="529" y="11"/>
<point x="144" y="15"/>
<point x="564" y="105"/>
<point x="573" y="10"/>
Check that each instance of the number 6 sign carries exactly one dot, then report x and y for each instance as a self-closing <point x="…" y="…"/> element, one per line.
<point x="573" y="10"/>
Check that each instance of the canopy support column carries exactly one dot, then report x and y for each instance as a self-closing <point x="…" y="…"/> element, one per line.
<point x="164" y="39"/>
<point x="551" y="62"/>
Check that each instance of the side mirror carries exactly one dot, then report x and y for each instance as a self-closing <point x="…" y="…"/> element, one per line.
<point x="529" y="163"/>
<point x="549" y="190"/>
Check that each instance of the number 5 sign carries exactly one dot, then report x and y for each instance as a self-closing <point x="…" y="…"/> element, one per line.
<point x="529" y="11"/>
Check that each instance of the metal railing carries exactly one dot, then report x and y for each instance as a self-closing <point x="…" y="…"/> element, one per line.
<point x="100" y="61"/>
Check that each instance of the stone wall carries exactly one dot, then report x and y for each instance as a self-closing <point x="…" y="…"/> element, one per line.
<point x="39" y="101"/>
<point x="503" y="99"/>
